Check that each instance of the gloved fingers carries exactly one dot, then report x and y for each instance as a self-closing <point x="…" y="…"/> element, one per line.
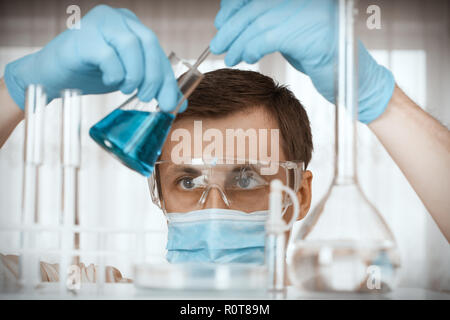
<point x="153" y="73"/>
<point x="128" y="47"/>
<point x="227" y="9"/>
<point x="293" y="62"/>
<point x="168" y="96"/>
<point x="261" y="24"/>
<point x="291" y="38"/>
<point x="287" y="15"/>
<point x="238" y="23"/>
<point x="94" y="49"/>
<point x="262" y="45"/>
<point x="130" y="14"/>
<point x="153" y="77"/>
<point x="107" y="60"/>
<point x="159" y="80"/>
<point x="183" y="106"/>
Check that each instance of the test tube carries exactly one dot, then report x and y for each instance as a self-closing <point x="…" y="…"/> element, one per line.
<point x="35" y="102"/>
<point x="275" y="241"/>
<point x="70" y="162"/>
<point x="276" y="266"/>
<point x="275" y="249"/>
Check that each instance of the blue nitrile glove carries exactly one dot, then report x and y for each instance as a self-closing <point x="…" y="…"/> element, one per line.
<point x="305" y="33"/>
<point x="111" y="51"/>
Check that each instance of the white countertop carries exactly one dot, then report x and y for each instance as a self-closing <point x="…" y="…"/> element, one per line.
<point x="127" y="291"/>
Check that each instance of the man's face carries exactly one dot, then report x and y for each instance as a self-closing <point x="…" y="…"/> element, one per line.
<point x="258" y="121"/>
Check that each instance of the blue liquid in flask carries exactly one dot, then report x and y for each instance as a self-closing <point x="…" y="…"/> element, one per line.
<point x="134" y="137"/>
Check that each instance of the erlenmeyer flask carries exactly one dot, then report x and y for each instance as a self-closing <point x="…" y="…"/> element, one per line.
<point x="135" y="131"/>
<point x="344" y="244"/>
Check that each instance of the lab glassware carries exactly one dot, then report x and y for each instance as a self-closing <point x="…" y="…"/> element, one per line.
<point x="70" y="162"/>
<point x="344" y="244"/>
<point x="275" y="244"/>
<point x="36" y="100"/>
<point x="135" y="131"/>
<point x="201" y="276"/>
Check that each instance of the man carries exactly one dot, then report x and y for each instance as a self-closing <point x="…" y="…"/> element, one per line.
<point x="261" y="133"/>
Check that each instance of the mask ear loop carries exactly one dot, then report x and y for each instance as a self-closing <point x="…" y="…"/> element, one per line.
<point x="297" y="179"/>
<point x="286" y="204"/>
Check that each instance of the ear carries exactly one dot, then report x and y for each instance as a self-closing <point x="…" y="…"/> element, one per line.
<point x="304" y="194"/>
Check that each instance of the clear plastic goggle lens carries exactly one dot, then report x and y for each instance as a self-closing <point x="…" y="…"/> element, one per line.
<point x="243" y="185"/>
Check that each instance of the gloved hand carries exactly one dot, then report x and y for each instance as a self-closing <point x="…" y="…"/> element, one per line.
<point x="305" y="33"/>
<point x="112" y="50"/>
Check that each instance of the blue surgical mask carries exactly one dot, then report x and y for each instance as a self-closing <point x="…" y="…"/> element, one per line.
<point x="217" y="236"/>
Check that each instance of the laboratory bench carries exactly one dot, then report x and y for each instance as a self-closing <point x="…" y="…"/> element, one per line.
<point x="128" y="291"/>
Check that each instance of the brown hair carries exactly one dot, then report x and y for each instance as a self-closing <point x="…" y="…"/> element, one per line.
<point x="225" y="91"/>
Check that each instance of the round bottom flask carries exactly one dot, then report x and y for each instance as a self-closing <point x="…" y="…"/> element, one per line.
<point x="344" y="245"/>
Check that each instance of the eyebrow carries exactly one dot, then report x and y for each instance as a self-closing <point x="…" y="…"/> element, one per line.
<point x="186" y="169"/>
<point x="244" y="167"/>
<point x="177" y="169"/>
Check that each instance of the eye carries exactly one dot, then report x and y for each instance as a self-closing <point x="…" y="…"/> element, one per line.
<point x="248" y="180"/>
<point x="244" y="181"/>
<point x="186" y="183"/>
<point x="190" y="183"/>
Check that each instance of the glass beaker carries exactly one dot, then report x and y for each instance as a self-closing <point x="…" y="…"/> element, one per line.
<point x="135" y="131"/>
<point x="33" y="152"/>
<point x="344" y="244"/>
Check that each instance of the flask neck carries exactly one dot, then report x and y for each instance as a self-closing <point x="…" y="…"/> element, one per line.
<point x="346" y="97"/>
<point x="345" y="147"/>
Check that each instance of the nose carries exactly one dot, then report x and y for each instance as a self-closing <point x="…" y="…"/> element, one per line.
<point x="214" y="197"/>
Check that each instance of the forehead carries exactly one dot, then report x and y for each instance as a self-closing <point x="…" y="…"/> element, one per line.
<point x="256" y="119"/>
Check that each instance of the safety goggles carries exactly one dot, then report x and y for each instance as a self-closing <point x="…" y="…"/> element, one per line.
<point x="220" y="183"/>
